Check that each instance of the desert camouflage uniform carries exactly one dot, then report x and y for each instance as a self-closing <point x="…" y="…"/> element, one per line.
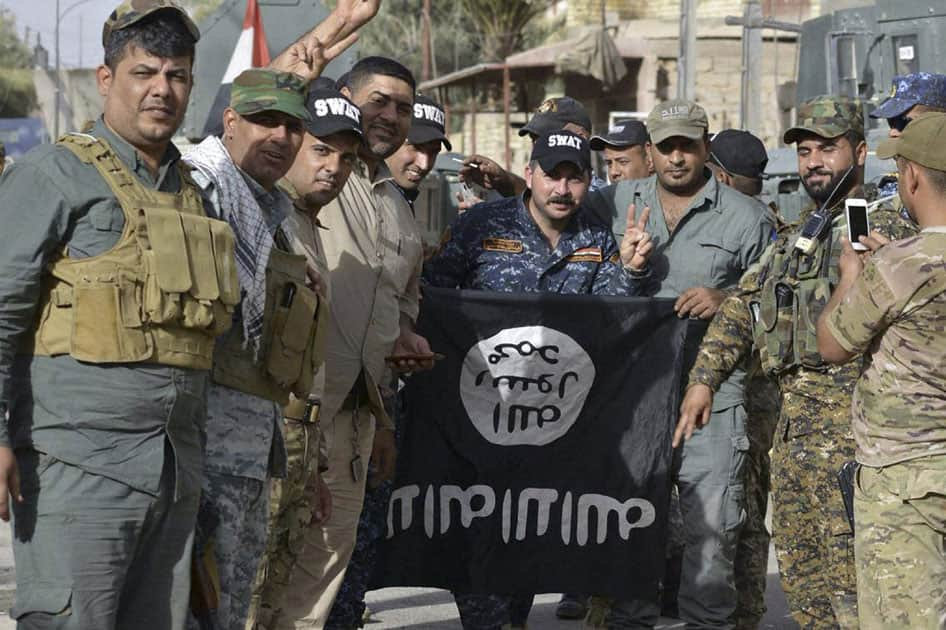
<point x="813" y="539"/>
<point x="897" y="308"/>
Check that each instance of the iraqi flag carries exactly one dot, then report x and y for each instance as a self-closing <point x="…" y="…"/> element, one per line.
<point x="251" y="51"/>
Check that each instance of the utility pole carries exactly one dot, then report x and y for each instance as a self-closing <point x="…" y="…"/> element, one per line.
<point x="425" y="73"/>
<point x="752" y="23"/>
<point x="686" y="61"/>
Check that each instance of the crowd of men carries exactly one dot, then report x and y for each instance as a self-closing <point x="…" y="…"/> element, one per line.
<point x="199" y="353"/>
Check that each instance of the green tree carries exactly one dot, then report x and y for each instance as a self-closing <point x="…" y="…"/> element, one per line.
<point x="17" y="93"/>
<point x="503" y="26"/>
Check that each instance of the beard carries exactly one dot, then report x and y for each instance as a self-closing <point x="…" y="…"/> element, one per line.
<point x="822" y="190"/>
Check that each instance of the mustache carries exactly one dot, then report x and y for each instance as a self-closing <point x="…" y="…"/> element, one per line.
<point x="818" y="171"/>
<point x="566" y="200"/>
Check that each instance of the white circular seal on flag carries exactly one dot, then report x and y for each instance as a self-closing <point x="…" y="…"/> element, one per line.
<point x="526" y="385"/>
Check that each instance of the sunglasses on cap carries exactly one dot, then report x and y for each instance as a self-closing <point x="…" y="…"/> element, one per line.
<point x="899" y="122"/>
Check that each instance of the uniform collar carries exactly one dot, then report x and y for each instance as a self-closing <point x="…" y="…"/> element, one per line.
<point x="130" y="157"/>
<point x="290" y="191"/>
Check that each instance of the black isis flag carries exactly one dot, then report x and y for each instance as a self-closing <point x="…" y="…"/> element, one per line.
<point x="536" y="456"/>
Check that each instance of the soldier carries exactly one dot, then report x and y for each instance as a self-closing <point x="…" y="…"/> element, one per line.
<point x="318" y="174"/>
<point x="738" y="159"/>
<point x="418" y="155"/>
<point x="706" y="235"/>
<point x="409" y="165"/>
<point x="894" y="306"/>
<point x="253" y="371"/>
<point x="774" y="311"/>
<point x="554" y="114"/>
<point x="910" y="96"/>
<point x="538" y="242"/>
<point x="115" y="285"/>
<point x="374" y="258"/>
<point x="626" y="150"/>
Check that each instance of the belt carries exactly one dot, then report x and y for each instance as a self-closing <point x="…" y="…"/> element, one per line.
<point x="304" y="411"/>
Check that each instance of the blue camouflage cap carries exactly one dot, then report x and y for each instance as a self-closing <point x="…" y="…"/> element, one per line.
<point x="919" y="88"/>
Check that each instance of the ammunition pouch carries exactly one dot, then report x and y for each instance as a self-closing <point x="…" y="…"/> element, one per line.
<point x="162" y="294"/>
<point x="287" y="358"/>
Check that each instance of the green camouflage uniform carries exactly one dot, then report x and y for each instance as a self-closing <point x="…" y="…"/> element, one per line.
<point x="897" y="308"/>
<point x="752" y="552"/>
<point x="812" y="536"/>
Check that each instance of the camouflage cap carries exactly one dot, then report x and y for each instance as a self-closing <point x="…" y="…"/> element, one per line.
<point x="131" y="11"/>
<point x="828" y="117"/>
<point x="677" y="117"/>
<point x="919" y="88"/>
<point x="261" y="89"/>
<point x="922" y="141"/>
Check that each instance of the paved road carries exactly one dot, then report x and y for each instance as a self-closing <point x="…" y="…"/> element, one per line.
<point x="426" y="609"/>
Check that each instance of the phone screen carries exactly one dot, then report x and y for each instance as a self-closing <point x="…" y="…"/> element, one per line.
<point x="857" y="222"/>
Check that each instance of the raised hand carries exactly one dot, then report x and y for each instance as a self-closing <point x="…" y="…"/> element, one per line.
<point x="309" y="55"/>
<point x="636" y="246"/>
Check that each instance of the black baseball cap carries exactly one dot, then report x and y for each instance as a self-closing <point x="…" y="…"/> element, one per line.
<point x="554" y="147"/>
<point x="624" y="133"/>
<point x="330" y="112"/>
<point x="428" y="123"/>
<point x="739" y="153"/>
<point x="554" y="114"/>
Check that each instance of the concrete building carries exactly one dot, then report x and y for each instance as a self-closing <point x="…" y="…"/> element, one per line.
<point x="645" y="34"/>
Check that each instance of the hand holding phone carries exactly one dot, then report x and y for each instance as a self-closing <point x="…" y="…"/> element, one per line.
<point x="855" y="211"/>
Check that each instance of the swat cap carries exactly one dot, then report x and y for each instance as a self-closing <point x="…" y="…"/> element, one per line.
<point x="919" y="88"/>
<point x="678" y="117"/>
<point x="428" y="123"/>
<point x="331" y="112"/>
<point x="624" y="133"/>
<point x="921" y="142"/>
<point x="260" y="90"/>
<point x="131" y="11"/>
<point x="555" y="147"/>
<point x="828" y="117"/>
<point x="554" y="114"/>
<point x="739" y="153"/>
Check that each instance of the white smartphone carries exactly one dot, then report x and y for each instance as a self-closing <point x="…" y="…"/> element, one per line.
<point x="858" y="225"/>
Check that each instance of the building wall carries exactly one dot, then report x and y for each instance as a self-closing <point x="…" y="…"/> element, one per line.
<point x="583" y="12"/>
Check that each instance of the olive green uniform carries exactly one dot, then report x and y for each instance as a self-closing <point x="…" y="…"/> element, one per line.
<point x="109" y="452"/>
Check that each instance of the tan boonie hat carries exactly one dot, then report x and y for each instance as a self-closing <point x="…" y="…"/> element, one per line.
<point x="261" y="89"/>
<point x="923" y="141"/>
<point x="131" y="11"/>
<point x="828" y="117"/>
<point x="678" y="117"/>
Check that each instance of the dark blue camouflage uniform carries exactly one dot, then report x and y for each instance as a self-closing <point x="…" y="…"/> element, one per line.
<point x="497" y="246"/>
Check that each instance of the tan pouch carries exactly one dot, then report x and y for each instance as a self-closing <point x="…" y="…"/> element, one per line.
<point x="167" y="240"/>
<point x="98" y="334"/>
<point x="292" y="330"/>
<point x="159" y="307"/>
<point x="200" y="255"/>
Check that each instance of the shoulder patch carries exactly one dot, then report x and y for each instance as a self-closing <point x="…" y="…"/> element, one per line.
<point x="502" y="245"/>
<point x="586" y="254"/>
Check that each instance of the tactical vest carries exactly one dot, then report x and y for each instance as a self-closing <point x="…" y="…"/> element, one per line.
<point x="162" y="294"/>
<point x="286" y="360"/>
<point x="794" y="289"/>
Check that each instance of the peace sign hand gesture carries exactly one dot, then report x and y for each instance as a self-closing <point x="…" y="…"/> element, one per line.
<point x="636" y="246"/>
